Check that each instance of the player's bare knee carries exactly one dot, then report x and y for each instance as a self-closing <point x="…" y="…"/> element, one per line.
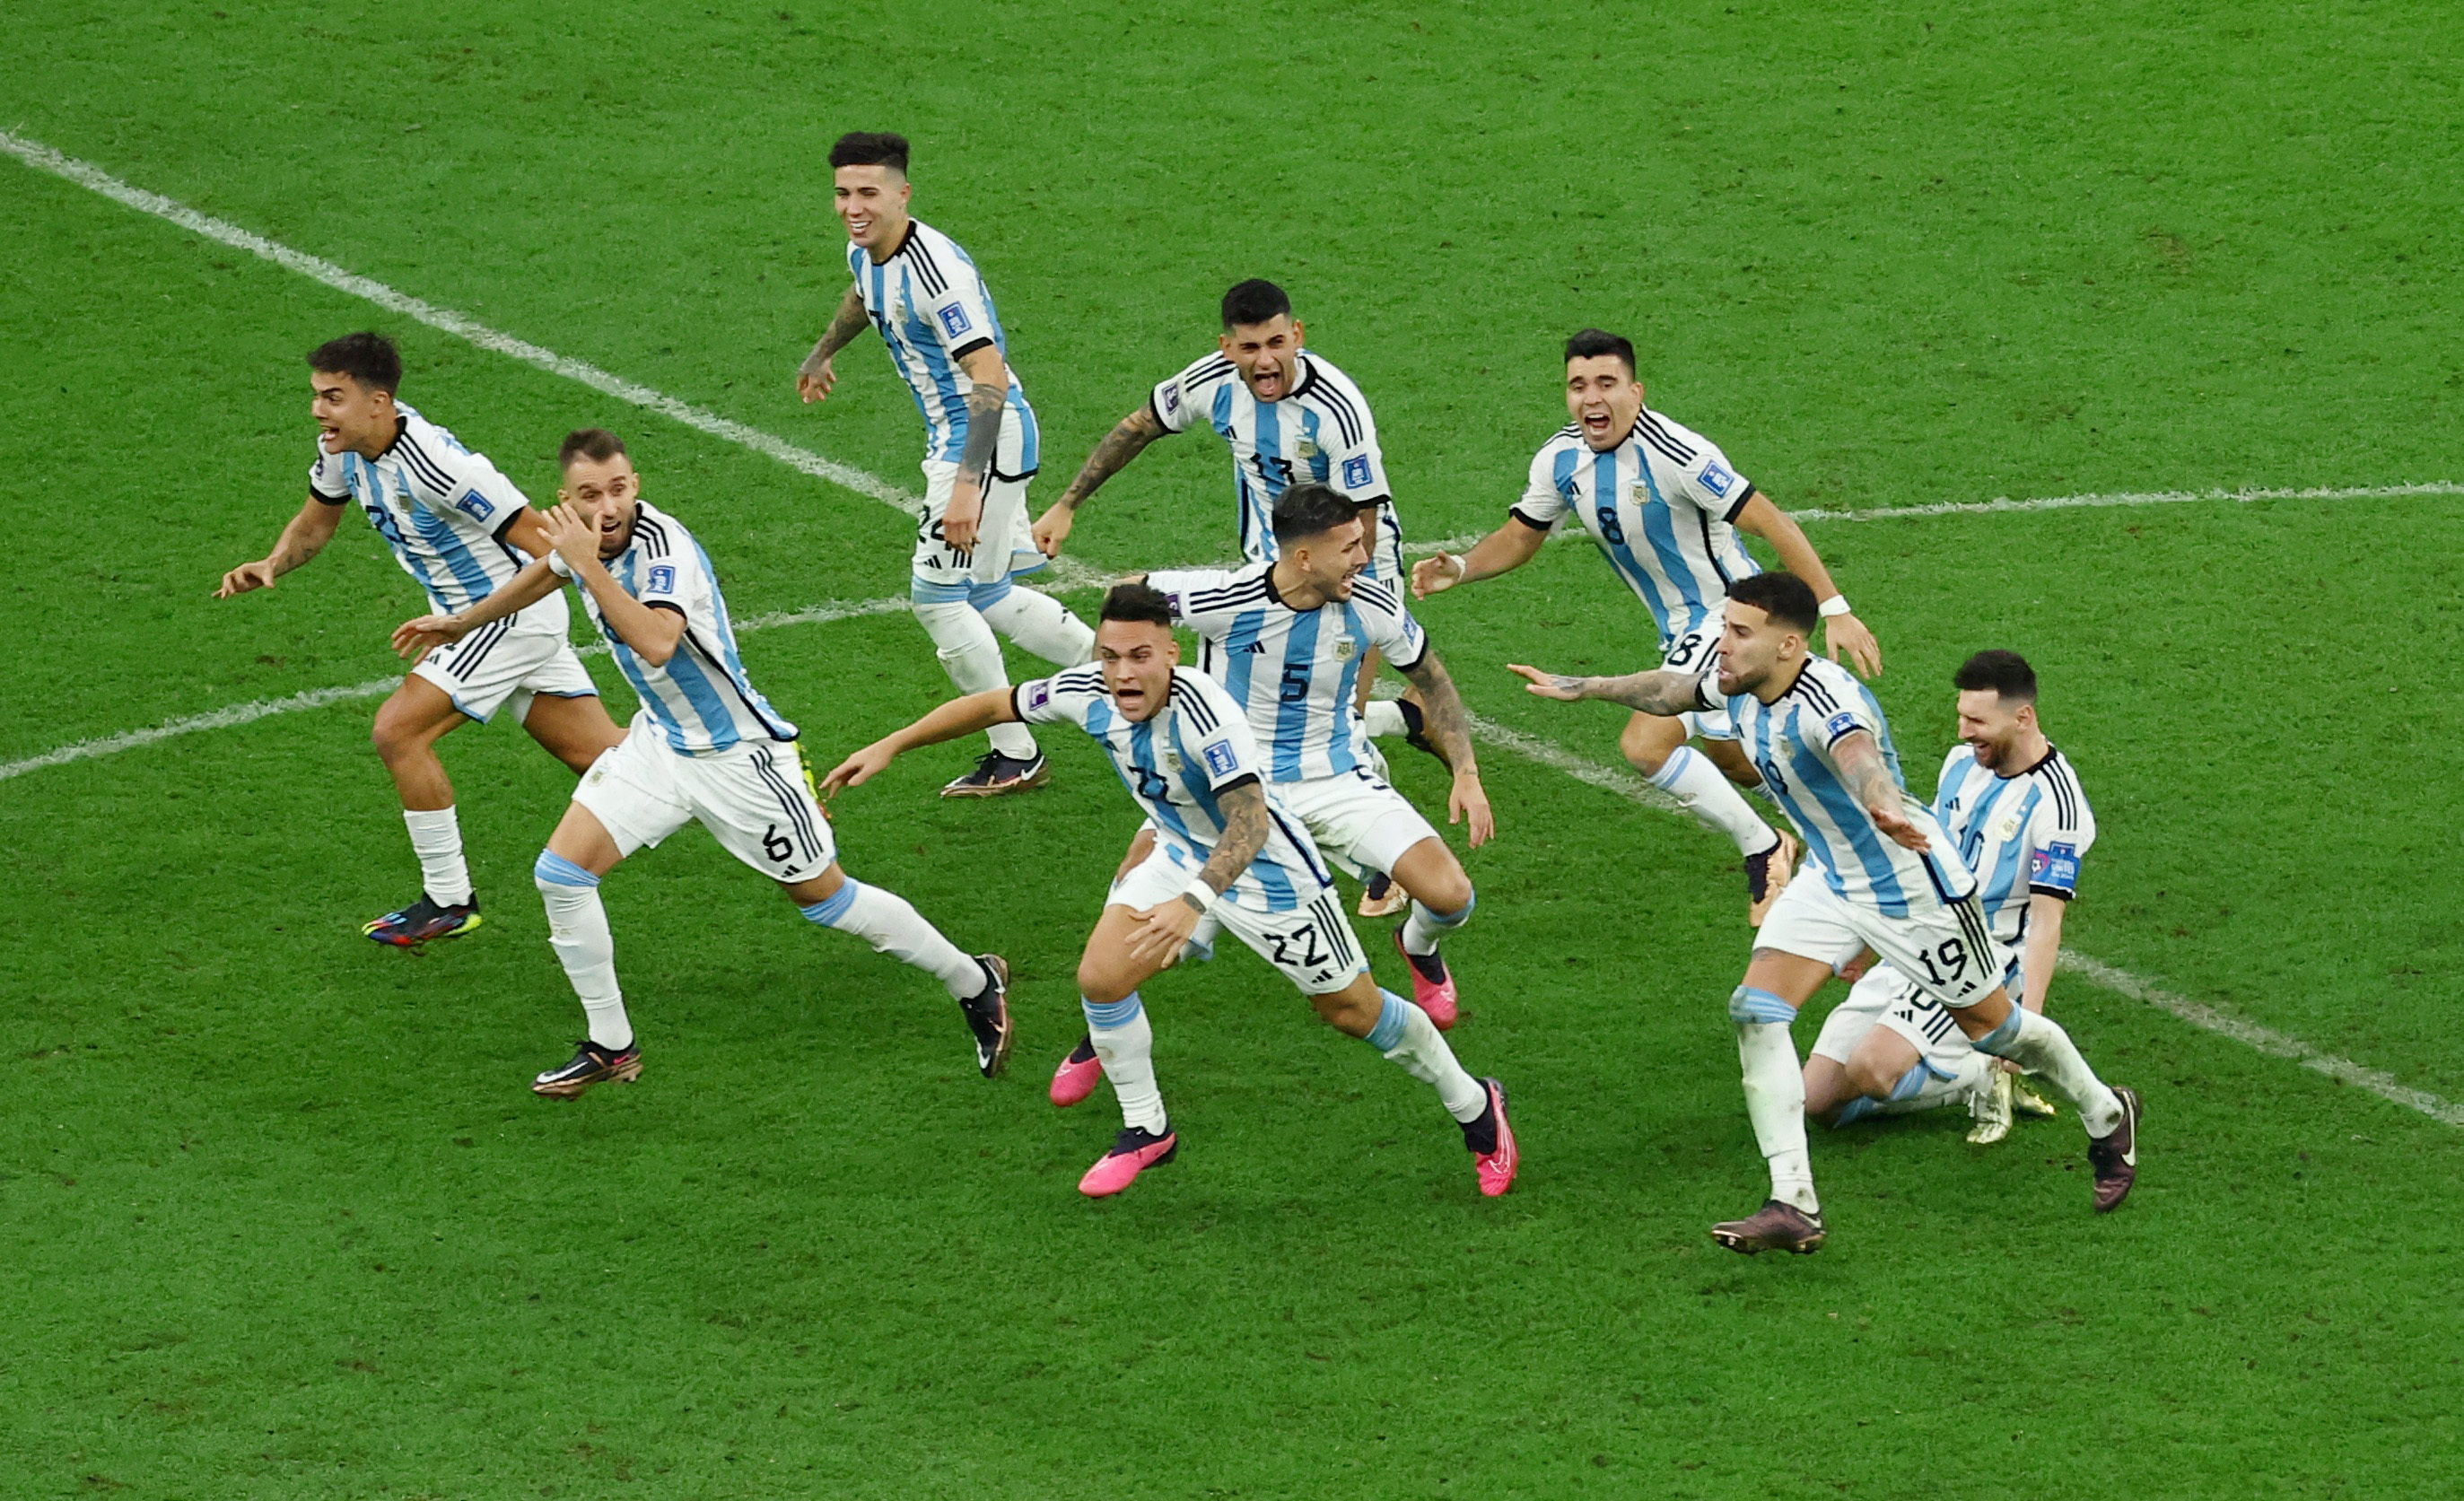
<point x="1865" y="1077"/>
<point x="1103" y="984"/>
<point x="1440" y="884"/>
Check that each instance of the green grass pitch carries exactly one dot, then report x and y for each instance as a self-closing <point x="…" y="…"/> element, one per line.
<point x="279" y="1217"/>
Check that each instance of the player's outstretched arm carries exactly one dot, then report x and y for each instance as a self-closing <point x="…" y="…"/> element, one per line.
<point x="1448" y="724"/>
<point x="1163" y="928"/>
<point x="1659" y="691"/>
<point x="1859" y="756"/>
<point x="303" y="537"/>
<point x="1502" y="551"/>
<point x="972" y="715"/>
<point x="814" y="378"/>
<point x="1127" y="440"/>
<point x="414" y="639"/>
<point x="1842" y="631"/>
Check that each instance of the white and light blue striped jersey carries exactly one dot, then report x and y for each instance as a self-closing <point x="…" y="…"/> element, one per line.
<point x="1177" y="764"/>
<point x="1293" y="672"/>
<point x="1321" y="432"/>
<point x="2021" y="835"/>
<point x="931" y="311"/>
<point x="699" y="698"/>
<point x="1791" y="740"/>
<point x="443" y="510"/>
<point x="1660" y="505"/>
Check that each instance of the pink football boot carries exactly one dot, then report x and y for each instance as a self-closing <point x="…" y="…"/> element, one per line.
<point x="1075" y="1079"/>
<point x="1437" y="997"/>
<point x="1137" y="1149"/>
<point x="1495" y="1166"/>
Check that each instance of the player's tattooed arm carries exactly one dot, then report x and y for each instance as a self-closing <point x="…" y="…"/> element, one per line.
<point x="1127" y="440"/>
<point x="1660" y="691"/>
<point x="1244" y="833"/>
<point x="1859" y="756"/>
<point x="303" y="537"/>
<point x="1447" y="725"/>
<point x="986" y="396"/>
<point x="814" y="378"/>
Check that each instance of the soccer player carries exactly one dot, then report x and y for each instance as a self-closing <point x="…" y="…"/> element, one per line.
<point x="462" y="530"/>
<point x="705" y="748"/>
<point x="1665" y="506"/>
<point x="915" y="286"/>
<point x="2015" y="810"/>
<point x="1889" y="880"/>
<point x="1224" y="843"/>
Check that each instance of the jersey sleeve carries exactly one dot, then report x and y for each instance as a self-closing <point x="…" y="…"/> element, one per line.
<point x="1391" y="629"/>
<point x="1545" y="501"/>
<point x="1215" y="732"/>
<point x="1063" y="698"/>
<point x="1711" y="485"/>
<point x="955" y="302"/>
<point x="1187" y="589"/>
<point x="1830" y="729"/>
<point x="474" y="494"/>
<point x="2064" y="830"/>
<point x="676" y="580"/>
<point x="325" y="479"/>
<point x="1171" y="400"/>
<point x="1355" y="464"/>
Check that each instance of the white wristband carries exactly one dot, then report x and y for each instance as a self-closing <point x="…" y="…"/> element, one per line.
<point x="1835" y="606"/>
<point x="1198" y="892"/>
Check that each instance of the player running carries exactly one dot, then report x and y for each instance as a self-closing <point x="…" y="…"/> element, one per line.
<point x="2015" y="810"/>
<point x="705" y="748"/>
<point x="922" y="293"/>
<point x="1666" y="508"/>
<point x="1224" y="845"/>
<point x="1890" y="881"/>
<point x="462" y="530"/>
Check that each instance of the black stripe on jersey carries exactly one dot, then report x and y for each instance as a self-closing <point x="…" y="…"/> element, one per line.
<point x="426" y="469"/>
<point x="1743" y="501"/>
<point x="1078" y="680"/>
<point x="799" y="817"/>
<point x="1301" y="844"/>
<point x="1376" y="593"/>
<point x="970" y="347"/>
<point x="321" y="498"/>
<point x="2068" y="800"/>
<point x="1811" y="692"/>
<point x="1647" y="424"/>
<point x="1572" y="430"/>
<point x="1537" y="526"/>
<point x="1347" y="415"/>
<point x="650" y="535"/>
<point x="1711" y="551"/>
<point x="927" y="270"/>
<point x="1194" y="706"/>
<point x="1206" y="374"/>
<point x="1228" y="596"/>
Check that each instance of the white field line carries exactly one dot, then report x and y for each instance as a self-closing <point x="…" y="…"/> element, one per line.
<point x="1068" y="574"/>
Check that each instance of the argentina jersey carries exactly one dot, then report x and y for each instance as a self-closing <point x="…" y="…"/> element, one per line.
<point x="443" y="510"/>
<point x="1177" y="764"/>
<point x="699" y="698"/>
<point x="1662" y="506"/>
<point x="2022" y="835"/>
<point x="1295" y="673"/>
<point x="1791" y="741"/>
<point x="931" y="311"/>
<point x="1321" y="432"/>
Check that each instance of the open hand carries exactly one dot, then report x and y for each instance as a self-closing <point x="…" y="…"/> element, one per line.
<point x="573" y="538"/>
<point x="414" y="639"/>
<point x="1436" y="574"/>
<point x="1161" y="931"/>
<point x="814" y="379"/>
<point x="1470" y="800"/>
<point x="248" y="576"/>
<point x="857" y="769"/>
<point x="1550" y="685"/>
<point x="1847" y="634"/>
<point x="1894" y="821"/>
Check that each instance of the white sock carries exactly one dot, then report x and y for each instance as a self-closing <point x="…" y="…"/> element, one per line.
<point x="2044" y="1050"/>
<point x="1774" y="1092"/>
<point x="1125" y="1044"/>
<point x="1689" y="776"/>
<point x="1384" y="718"/>
<point x="884" y="919"/>
<point x="971" y="655"/>
<point x="1933" y="1090"/>
<point x="437" y="838"/>
<point x="1408" y="1039"/>
<point x="576" y="929"/>
<point x="1423" y="928"/>
<point x="1044" y="626"/>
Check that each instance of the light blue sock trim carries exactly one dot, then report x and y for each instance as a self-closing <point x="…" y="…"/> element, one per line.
<point x="830" y="908"/>
<point x="983" y="596"/>
<point x="1665" y="778"/>
<point x="557" y="870"/>
<point x="924" y="591"/>
<point x="1854" y="1110"/>
<point x="1393" y="1016"/>
<point x="1910" y="1082"/>
<point x="1445" y="920"/>
<point x="2001" y="1037"/>
<point x="1120" y="1013"/>
<point x="1748" y="1003"/>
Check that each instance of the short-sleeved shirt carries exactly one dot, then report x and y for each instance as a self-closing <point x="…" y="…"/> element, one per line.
<point x="1295" y="673"/>
<point x="1321" y="432"/>
<point x="444" y="511"/>
<point x="1177" y="764"/>
<point x="699" y="698"/>
<point x="931" y="311"/>
<point x="1792" y="742"/>
<point x="1661" y="505"/>
<point x="2022" y="835"/>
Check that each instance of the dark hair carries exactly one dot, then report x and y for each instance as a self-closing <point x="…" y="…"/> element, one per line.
<point x="870" y="148"/>
<point x="1782" y="596"/>
<point x="1593" y="342"/>
<point x="1310" y="509"/>
<point x="1137" y="602"/>
<point x="1255" y="301"/>
<point x="595" y="444"/>
<point x="369" y="359"/>
<point x="2007" y="672"/>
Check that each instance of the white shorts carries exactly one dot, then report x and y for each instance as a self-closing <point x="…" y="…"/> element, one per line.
<point x="500" y="663"/>
<point x="1312" y="945"/>
<point x="752" y="797"/>
<point x="943" y="575"/>
<point x="1692" y="650"/>
<point x="1947" y="952"/>
<point x="1885" y="998"/>
<point x="1360" y="824"/>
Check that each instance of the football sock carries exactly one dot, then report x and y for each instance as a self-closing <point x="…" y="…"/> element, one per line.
<point x="1125" y="1044"/>
<point x="972" y="657"/>
<point x="1774" y="1092"/>
<point x="1384" y="720"/>
<point x="2037" y="1042"/>
<point x="1423" y="929"/>
<point x="884" y="919"/>
<point x="1688" y="776"/>
<point x="1044" y="626"/>
<point x="1406" y="1037"/>
<point x="437" y="838"/>
<point x="1921" y="1088"/>
<point x="576" y="929"/>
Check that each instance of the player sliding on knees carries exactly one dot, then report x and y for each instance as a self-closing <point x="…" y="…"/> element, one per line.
<point x="463" y="531"/>
<point x="1224" y="845"/>
<point x="706" y="746"/>
<point x="2015" y="810"/>
<point x="1665" y="509"/>
<point x="921" y="292"/>
<point x="1889" y="880"/>
<point x="1287" y="640"/>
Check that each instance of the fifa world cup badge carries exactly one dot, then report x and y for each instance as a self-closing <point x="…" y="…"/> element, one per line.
<point x="1344" y="649"/>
